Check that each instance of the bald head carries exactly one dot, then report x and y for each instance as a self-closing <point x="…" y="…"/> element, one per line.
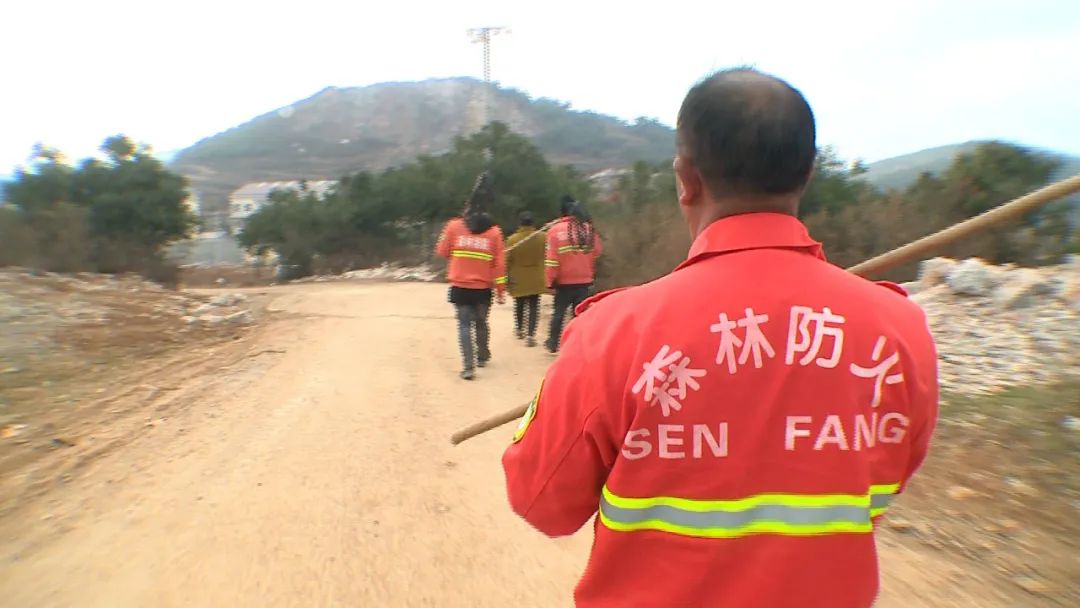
<point x="748" y="134"/>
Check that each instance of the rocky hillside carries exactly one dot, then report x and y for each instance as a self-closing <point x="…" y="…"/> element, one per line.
<point x="340" y="130"/>
<point x="1001" y="326"/>
<point x="998" y="497"/>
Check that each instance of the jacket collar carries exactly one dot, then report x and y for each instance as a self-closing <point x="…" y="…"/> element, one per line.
<point x="752" y="231"/>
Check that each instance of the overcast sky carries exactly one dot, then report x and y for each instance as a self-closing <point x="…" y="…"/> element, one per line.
<point x="883" y="78"/>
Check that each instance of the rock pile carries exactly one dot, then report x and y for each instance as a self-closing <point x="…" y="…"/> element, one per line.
<point x="384" y="272"/>
<point x="219" y="310"/>
<point x="1001" y="326"/>
<point x="41" y="311"/>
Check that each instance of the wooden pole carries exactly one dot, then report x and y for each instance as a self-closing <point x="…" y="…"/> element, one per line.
<point x="1002" y="213"/>
<point x="539" y="231"/>
<point x="488" y="424"/>
<point x="901" y="255"/>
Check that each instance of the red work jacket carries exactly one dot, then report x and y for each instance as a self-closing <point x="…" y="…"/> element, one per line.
<point x="567" y="263"/>
<point x="741" y="424"/>
<point x="476" y="261"/>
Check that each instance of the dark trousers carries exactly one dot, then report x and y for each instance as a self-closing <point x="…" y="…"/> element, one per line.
<point x="526" y="315"/>
<point x="472" y="306"/>
<point x="473" y="318"/>
<point x="567" y="297"/>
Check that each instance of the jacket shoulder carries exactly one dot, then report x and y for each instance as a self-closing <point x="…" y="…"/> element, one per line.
<point x="892" y="287"/>
<point x="891" y="299"/>
<point x="600" y="297"/>
<point x="562" y="223"/>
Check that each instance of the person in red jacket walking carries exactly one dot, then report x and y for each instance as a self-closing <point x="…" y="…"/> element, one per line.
<point x="473" y="244"/>
<point x="741" y="425"/>
<point x="572" y="248"/>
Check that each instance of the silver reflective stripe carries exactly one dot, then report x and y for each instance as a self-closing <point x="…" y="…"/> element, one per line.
<point x="880" y="501"/>
<point x="793" y="515"/>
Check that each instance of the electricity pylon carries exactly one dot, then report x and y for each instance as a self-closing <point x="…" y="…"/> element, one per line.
<point x="483" y="36"/>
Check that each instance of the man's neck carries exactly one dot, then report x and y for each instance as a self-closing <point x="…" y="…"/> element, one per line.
<point x="727" y="207"/>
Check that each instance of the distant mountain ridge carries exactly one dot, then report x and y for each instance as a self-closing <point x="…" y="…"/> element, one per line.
<point x="899" y="172"/>
<point x="341" y="130"/>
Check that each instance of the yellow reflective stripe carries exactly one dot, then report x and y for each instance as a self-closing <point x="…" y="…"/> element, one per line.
<point x="500" y="280"/>
<point x="476" y="255"/>
<point x="890" y="488"/>
<point x="741" y="504"/>
<point x="530" y="413"/>
<point x="551" y="262"/>
<point x="881" y="496"/>
<point x="768" y="513"/>
<point x="758" y="527"/>
<point x="573" y="249"/>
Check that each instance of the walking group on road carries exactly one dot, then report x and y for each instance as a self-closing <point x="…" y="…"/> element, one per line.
<point x="529" y="264"/>
<point x="737" y="429"/>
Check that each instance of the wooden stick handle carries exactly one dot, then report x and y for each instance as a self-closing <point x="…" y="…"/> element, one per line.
<point x="1002" y="213"/>
<point x="488" y="424"/>
<point x="901" y="255"/>
<point x="538" y="231"/>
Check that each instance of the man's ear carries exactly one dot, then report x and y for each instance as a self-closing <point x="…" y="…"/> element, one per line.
<point x="688" y="184"/>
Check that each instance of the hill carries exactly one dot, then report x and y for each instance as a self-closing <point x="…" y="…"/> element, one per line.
<point x="899" y="172"/>
<point x="340" y="130"/>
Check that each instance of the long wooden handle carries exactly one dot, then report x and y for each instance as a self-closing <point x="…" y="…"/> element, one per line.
<point x="488" y="423"/>
<point x="901" y="255"/>
<point x="537" y="232"/>
<point x="1010" y="210"/>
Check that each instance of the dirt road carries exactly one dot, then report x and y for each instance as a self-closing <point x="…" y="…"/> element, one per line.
<point x="314" y="470"/>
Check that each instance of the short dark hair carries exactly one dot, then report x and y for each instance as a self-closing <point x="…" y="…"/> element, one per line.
<point x="747" y="133"/>
<point x="526" y="218"/>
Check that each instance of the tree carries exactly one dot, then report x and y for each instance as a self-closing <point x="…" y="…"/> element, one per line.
<point x="854" y="220"/>
<point x="396" y="212"/>
<point x="47" y="182"/>
<point x="995" y="173"/>
<point x="118" y="147"/>
<point x="522" y="176"/>
<point x="834" y="185"/>
<point x="125" y="208"/>
<point x="867" y="223"/>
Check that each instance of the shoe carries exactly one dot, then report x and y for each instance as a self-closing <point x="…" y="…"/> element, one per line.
<point x="530" y="342"/>
<point x="481" y="363"/>
<point x="467" y="374"/>
<point x="520" y="334"/>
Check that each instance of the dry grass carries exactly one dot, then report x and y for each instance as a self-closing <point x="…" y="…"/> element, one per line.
<point x="1001" y="489"/>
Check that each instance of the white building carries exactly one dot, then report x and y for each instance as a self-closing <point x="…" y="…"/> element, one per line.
<point x="606" y="182"/>
<point x="249" y="198"/>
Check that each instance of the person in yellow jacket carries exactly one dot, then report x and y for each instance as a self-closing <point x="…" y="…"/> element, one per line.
<point x="525" y="270"/>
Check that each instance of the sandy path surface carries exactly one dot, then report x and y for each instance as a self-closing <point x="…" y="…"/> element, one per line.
<point x="317" y="472"/>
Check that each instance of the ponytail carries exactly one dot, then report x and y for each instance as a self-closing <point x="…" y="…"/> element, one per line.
<point x="582" y="234"/>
